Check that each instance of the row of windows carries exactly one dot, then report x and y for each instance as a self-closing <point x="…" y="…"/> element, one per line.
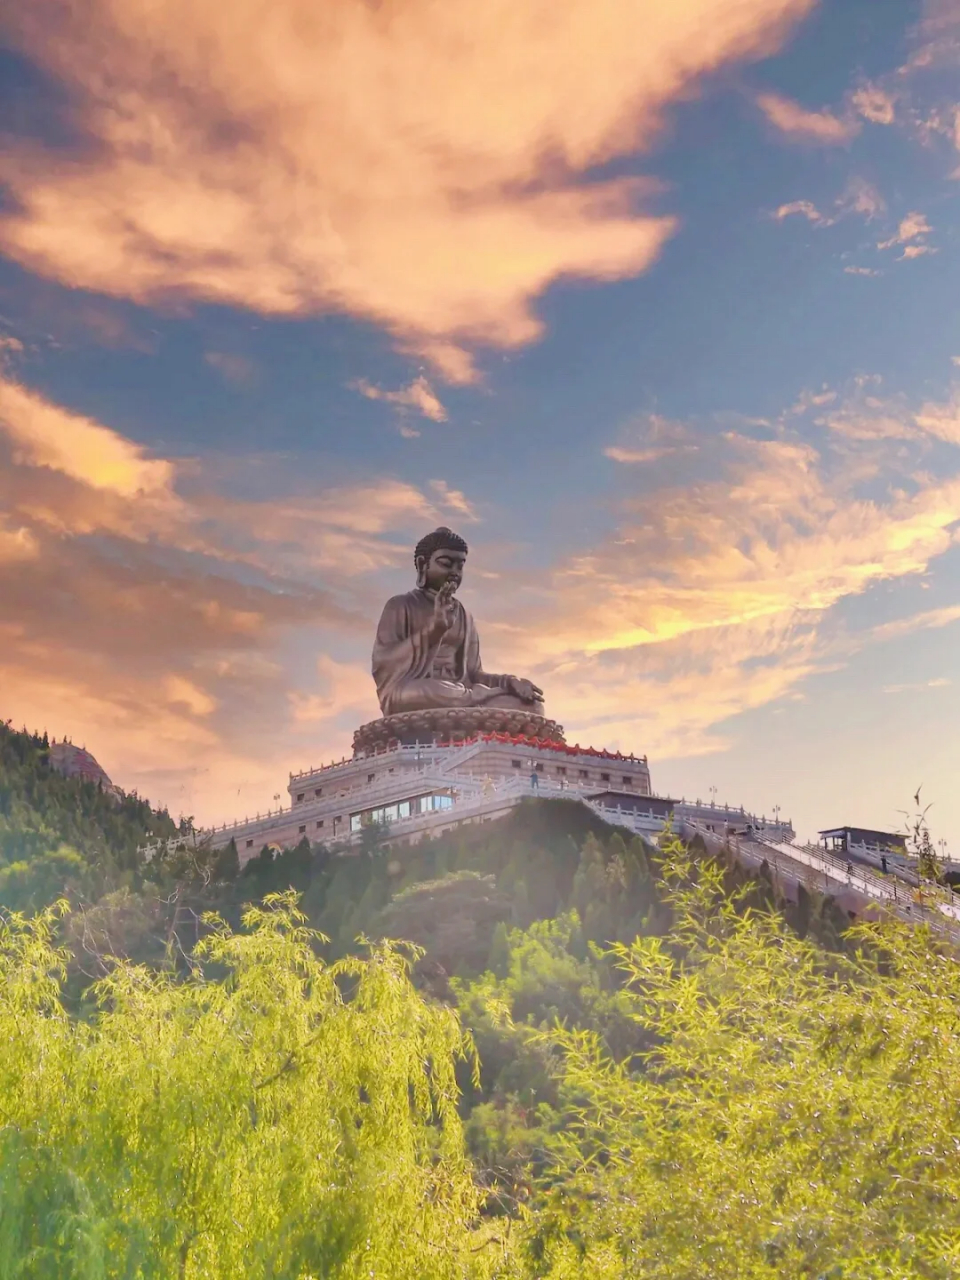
<point x="401" y="809"/>
<point x="318" y="791"/>
<point x="626" y="780"/>
<point x="303" y="830"/>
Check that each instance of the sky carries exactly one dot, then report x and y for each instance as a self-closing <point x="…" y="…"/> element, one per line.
<point x="654" y="301"/>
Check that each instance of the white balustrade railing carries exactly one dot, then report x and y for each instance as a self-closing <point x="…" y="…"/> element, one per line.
<point x="790" y="858"/>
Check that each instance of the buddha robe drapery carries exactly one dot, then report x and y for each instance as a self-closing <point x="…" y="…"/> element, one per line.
<point x="414" y="674"/>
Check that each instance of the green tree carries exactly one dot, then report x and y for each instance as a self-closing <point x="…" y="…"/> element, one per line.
<point x="795" y="1118"/>
<point x="263" y="1126"/>
<point x="226" y="866"/>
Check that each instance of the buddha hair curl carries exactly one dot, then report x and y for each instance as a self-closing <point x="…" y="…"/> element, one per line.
<point x="440" y="538"/>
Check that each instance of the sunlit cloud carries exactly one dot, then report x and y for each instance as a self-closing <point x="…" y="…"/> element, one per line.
<point x="803" y="209"/>
<point x="418" y="395"/>
<point x="45" y="435"/>
<point x="874" y="104"/>
<point x="798" y="124"/>
<point x="716" y="597"/>
<point x="146" y="612"/>
<point x="424" y="167"/>
<point x="858" y="197"/>
<point x="929" y="619"/>
<point x="911" y="233"/>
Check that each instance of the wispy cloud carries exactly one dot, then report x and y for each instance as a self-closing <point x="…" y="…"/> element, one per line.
<point x="911" y="233"/>
<point x="928" y="619"/>
<point x="917" y="686"/>
<point x="858" y="197"/>
<point x="427" y="168"/>
<point x="45" y="435"/>
<point x="804" y="209"/>
<point x="799" y="124"/>
<point x="865" y="413"/>
<point x="874" y="104"/>
<point x="714" y="597"/>
<point x="146" y="612"/>
<point x="419" y="395"/>
<point x="235" y="369"/>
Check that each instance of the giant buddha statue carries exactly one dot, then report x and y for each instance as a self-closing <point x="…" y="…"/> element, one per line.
<point x="427" y="653"/>
<point x="426" y="663"/>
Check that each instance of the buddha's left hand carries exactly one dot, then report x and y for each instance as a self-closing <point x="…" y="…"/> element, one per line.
<point x="526" y="690"/>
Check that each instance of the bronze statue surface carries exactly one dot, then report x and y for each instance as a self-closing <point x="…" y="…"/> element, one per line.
<point x="427" y="653"/>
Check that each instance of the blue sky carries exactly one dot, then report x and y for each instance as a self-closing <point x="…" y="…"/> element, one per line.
<point x="655" y="303"/>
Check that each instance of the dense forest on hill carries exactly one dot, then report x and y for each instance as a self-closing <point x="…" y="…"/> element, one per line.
<point x="61" y="835"/>
<point x="580" y="1056"/>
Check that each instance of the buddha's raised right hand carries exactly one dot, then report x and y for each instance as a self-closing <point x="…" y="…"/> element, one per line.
<point x="444" y="609"/>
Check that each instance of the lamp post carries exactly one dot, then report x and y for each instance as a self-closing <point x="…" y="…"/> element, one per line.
<point x="713" y="797"/>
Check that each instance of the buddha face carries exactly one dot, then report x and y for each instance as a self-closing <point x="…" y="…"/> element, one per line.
<point x="445" y="565"/>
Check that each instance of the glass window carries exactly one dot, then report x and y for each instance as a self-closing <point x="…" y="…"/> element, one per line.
<point x="301" y="831"/>
<point x="604" y="777"/>
<point x="299" y="797"/>
<point x="249" y="844"/>
<point x="403" y="809"/>
<point x="371" y="776"/>
<point x="584" y="773"/>
<point x="354" y="821"/>
<point x="517" y="764"/>
<point x="319" y="791"/>
<point x="319" y="823"/>
<point x="390" y="813"/>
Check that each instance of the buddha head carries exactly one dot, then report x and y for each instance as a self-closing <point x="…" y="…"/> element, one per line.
<point x="439" y="558"/>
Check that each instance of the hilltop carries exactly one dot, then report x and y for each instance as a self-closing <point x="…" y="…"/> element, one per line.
<point x="64" y="835"/>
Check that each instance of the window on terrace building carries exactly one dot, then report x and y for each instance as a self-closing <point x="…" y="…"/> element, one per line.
<point x="401" y="809"/>
<point x="299" y="797"/>
<point x="301" y="831"/>
<point x="604" y="777"/>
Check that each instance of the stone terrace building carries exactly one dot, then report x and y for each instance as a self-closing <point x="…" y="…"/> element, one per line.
<point x="425" y="789"/>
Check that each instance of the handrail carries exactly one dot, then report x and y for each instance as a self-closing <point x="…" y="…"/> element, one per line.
<point x="869" y="886"/>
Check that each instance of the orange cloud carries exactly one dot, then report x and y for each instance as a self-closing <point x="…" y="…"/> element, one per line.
<point x="867" y="415"/>
<point x="911" y="232"/>
<point x="46" y="435"/>
<point x="418" y="395"/>
<point x="874" y="104"/>
<point x="806" y="210"/>
<point x="424" y="166"/>
<point x="857" y="197"/>
<point x="713" y="598"/>
<point x="800" y="125"/>
<point x="158" y="640"/>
